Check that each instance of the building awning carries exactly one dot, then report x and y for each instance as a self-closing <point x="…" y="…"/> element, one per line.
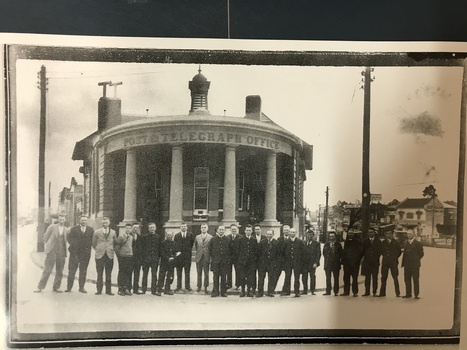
<point x="83" y="147"/>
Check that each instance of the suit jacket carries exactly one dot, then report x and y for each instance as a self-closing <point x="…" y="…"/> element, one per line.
<point x="202" y="247"/>
<point x="268" y="253"/>
<point x="332" y="256"/>
<point x="104" y="245"/>
<point x="281" y="241"/>
<point x="139" y="244"/>
<point x="186" y="246"/>
<point x="371" y="254"/>
<point x="169" y="249"/>
<point x="311" y="254"/>
<point x="80" y="243"/>
<point x="248" y="251"/>
<point x="413" y="253"/>
<point x="390" y="252"/>
<point x="52" y="238"/>
<point x="234" y="247"/>
<point x="352" y="252"/>
<point x="152" y="248"/>
<point x="219" y="250"/>
<point x="293" y="253"/>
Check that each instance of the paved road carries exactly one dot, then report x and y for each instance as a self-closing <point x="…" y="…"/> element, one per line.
<point x="75" y="312"/>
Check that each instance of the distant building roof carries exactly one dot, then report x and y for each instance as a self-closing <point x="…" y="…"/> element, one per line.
<point x="413" y="203"/>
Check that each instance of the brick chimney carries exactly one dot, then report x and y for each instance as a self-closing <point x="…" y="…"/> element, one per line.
<point x="109" y="109"/>
<point x="253" y="107"/>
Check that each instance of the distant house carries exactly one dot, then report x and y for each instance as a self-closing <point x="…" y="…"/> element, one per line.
<point x="418" y="214"/>
<point x="448" y="228"/>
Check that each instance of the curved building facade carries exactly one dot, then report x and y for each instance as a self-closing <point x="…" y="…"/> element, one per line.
<point x="195" y="168"/>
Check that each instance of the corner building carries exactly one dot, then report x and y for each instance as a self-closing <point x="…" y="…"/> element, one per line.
<point x="196" y="168"/>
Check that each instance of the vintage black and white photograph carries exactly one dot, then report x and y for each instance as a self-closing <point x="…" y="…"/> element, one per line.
<point x="226" y="194"/>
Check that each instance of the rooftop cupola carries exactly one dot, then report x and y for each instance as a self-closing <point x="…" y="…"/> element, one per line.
<point x="199" y="87"/>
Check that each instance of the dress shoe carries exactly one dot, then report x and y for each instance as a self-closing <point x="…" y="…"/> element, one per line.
<point x="224" y="295"/>
<point x="177" y="290"/>
<point x="169" y="292"/>
<point x="189" y="289"/>
<point x="407" y="296"/>
<point x="381" y="295"/>
<point x="242" y="294"/>
<point x="284" y="294"/>
<point x="139" y="293"/>
<point x="326" y="293"/>
<point x="109" y="293"/>
<point x="58" y="291"/>
<point x="259" y="295"/>
<point x="304" y="292"/>
<point x="417" y="297"/>
<point x="297" y="295"/>
<point x="82" y="290"/>
<point x="38" y="290"/>
<point x="271" y="295"/>
<point x="374" y="294"/>
<point x="313" y="293"/>
<point x="67" y="290"/>
<point x="214" y="295"/>
<point x="365" y="295"/>
<point x="355" y="295"/>
<point x="206" y="291"/>
<point x="127" y="292"/>
<point x="122" y="293"/>
<point x="344" y="294"/>
<point x="237" y="288"/>
<point x="158" y="294"/>
<point x="398" y="295"/>
<point x="154" y="293"/>
<point x="250" y="294"/>
<point x="198" y="290"/>
<point x="98" y="293"/>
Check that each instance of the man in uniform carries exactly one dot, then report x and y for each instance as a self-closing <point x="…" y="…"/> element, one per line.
<point x="370" y="263"/>
<point x="269" y="252"/>
<point x="351" y="257"/>
<point x="55" y="250"/>
<point x="220" y="261"/>
<point x="151" y="254"/>
<point x="103" y="244"/>
<point x="391" y="250"/>
<point x="170" y="251"/>
<point x="332" y="252"/>
<point x="234" y="241"/>
<point x="293" y="253"/>
<point x="203" y="257"/>
<point x="311" y="257"/>
<point x="184" y="240"/>
<point x="411" y="262"/>
<point x="80" y="240"/>
<point x="247" y="260"/>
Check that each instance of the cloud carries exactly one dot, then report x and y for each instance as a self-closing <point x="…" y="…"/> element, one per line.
<point x="429" y="91"/>
<point x="424" y="124"/>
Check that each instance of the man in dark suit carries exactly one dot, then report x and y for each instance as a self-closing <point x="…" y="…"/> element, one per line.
<point x="332" y="252"/>
<point x="351" y="257"/>
<point x="259" y="238"/>
<point x="411" y="262"/>
<point x="170" y="251"/>
<point x="391" y="250"/>
<point x="185" y="242"/>
<point x="247" y="260"/>
<point x="269" y="251"/>
<point x="370" y="263"/>
<point x="80" y="241"/>
<point x="234" y="241"/>
<point x="103" y="243"/>
<point x="293" y="253"/>
<point x="124" y="250"/>
<point x="55" y="250"/>
<point x="151" y="253"/>
<point x="281" y="259"/>
<point x="219" y="250"/>
<point x="203" y="257"/>
<point x="311" y="257"/>
<point x="139" y="241"/>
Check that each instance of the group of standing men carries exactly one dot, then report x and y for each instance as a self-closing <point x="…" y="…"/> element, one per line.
<point x="368" y="255"/>
<point x="252" y="256"/>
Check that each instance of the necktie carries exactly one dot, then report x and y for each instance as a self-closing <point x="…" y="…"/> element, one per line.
<point x="83" y="229"/>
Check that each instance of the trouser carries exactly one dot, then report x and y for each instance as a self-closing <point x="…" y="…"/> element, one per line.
<point x="202" y="266"/>
<point x="184" y="266"/>
<point x="248" y="276"/>
<point x="335" y="274"/>
<point x="107" y="264"/>
<point x="125" y="267"/>
<point x="76" y="261"/>
<point x="351" y="271"/>
<point x="137" y="265"/>
<point x="309" y="271"/>
<point x="166" y="273"/>
<point x="384" y="276"/>
<point x="229" y="276"/>
<point x="153" y="266"/>
<point x="270" y="269"/>
<point x="288" y="278"/>
<point x="52" y="259"/>
<point x="219" y="272"/>
<point x="371" y="275"/>
<point x="412" y="273"/>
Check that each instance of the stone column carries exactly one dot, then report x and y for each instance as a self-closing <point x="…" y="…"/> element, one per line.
<point x="270" y="201"/>
<point x="230" y="181"/>
<point x="131" y="186"/>
<point x="176" y="189"/>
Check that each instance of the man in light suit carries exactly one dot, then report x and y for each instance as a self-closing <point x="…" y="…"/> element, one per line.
<point x="413" y="254"/>
<point x="103" y="243"/>
<point x="80" y="240"/>
<point x="185" y="241"/>
<point x="202" y="258"/>
<point x="55" y="250"/>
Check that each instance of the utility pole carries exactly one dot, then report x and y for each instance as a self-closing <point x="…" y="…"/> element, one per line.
<point x="41" y="185"/>
<point x="49" y="204"/>
<point x="326" y="211"/>
<point x="367" y="79"/>
<point x="228" y="19"/>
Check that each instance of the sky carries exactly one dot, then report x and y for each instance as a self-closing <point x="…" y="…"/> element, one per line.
<point x="414" y="119"/>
